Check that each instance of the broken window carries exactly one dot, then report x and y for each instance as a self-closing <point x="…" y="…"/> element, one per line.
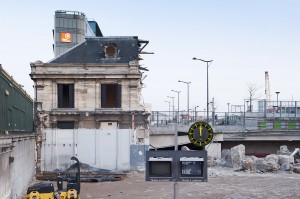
<point x="65" y="124"/>
<point x="111" y="50"/>
<point x="110" y="96"/>
<point x="65" y="95"/>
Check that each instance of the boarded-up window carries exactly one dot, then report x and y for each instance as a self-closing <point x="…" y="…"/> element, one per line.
<point x="65" y="124"/>
<point x="65" y="95"/>
<point x="110" y="96"/>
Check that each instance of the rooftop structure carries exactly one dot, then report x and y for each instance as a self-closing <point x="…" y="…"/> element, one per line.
<point x="70" y="29"/>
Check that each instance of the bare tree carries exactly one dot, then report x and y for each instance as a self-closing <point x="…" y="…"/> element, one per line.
<point x="251" y="88"/>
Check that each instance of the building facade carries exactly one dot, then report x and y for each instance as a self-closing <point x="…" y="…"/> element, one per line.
<point x="88" y="105"/>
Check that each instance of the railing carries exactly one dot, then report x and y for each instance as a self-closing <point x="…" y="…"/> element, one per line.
<point x="238" y="115"/>
<point x="163" y="118"/>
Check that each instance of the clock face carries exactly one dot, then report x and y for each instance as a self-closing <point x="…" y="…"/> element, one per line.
<point x="200" y="134"/>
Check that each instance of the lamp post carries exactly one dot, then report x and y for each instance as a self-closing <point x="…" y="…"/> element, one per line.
<point x="277" y="93"/>
<point x="176" y="190"/>
<point x="188" y="97"/>
<point x="169" y="108"/>
<point x="178" y="103"/>
<point x="196" y="113"/>
<point x="172" y="105"/>
<point x="207" y="88"/>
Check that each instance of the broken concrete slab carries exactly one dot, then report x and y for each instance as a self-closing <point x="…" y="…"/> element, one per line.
<point x="237" y="155"/>
<point x="226" y="160"/>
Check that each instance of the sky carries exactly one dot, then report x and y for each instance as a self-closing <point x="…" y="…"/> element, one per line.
<point x="243" y="38"/>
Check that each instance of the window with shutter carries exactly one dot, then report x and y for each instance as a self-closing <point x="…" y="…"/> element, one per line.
<point x="111" y="95"/>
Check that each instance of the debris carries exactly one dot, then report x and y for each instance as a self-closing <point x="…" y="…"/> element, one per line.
<point x="248" y="163"/>
<point x="226" y="160"/>
<point x="237" y="155"/>
<point x="87" y="173"/>
<point x="283" y="150"/>
<point x="295" y="168"/>
<point x="285" y="161"/>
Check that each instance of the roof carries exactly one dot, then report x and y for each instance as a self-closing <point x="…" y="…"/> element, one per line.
<point x="102" y="50"/>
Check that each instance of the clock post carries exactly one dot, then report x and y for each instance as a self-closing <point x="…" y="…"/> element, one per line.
<point x="178" y="165"/>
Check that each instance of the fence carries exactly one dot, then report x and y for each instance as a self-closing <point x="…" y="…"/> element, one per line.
<point x="237" y="115"/>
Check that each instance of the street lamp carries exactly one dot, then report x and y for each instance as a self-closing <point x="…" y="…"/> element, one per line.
<point x="188" y="97"/>
<point x="172" y="105"/>
<point x="169" y="108"/>
<point x="176" y="130"/>
<point x="207" y="88"/>
<point x="196" y="113"/>
<point x="178" y="103"/>
<point x="277" y="93"/>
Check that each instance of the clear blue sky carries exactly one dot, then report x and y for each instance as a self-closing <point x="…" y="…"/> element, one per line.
<point x="244" y="38"/>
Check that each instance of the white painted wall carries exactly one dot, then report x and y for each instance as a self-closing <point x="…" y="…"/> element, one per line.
<point x="22" y="169"/>
<point x="15" y="176"/>
<point x="105" y="148"/>
<point x="5" y="187"/>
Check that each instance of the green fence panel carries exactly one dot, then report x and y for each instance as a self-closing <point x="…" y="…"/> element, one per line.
<point x="262" y="125"/>
<point x="277" y="125"/>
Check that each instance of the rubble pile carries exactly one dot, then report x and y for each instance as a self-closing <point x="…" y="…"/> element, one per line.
<point x="236" y="159"/>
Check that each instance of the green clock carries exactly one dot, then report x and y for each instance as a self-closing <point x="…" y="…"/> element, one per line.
<point x="200" y="134"/>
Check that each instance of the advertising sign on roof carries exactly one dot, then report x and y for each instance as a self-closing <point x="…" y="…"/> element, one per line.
<point x="65" y="37"/>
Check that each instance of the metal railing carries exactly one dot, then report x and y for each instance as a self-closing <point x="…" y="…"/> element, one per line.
<point x="238" y="115"/>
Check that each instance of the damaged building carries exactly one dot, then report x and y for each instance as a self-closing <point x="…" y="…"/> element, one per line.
<point x="88" y="99"/>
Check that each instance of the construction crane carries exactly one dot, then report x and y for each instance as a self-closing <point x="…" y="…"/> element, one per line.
<point x="267" y="90"/>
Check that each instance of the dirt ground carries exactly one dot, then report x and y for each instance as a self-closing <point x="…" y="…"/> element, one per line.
<point x="222" y="183"/>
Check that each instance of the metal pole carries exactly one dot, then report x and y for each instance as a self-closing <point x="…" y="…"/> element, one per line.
<point x="228" y="107"/>
<point x="188" y="101"/>
<point x="188" y="96"/>
<point x="196" y="113"/>
<point x="207" y="99"/>
<point x="178" y="104"/>
<point x="176" y="186"/>
<point x="277" y="97"/>
<point x="169" y="109"/>
<point x="176" y="126"/>
<point x="176" y="190"/>
<point x="178" y="109"/>
<point x="172" y="105"/>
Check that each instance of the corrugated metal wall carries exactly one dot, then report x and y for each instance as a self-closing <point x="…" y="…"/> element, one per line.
<point x="16" y="107"/>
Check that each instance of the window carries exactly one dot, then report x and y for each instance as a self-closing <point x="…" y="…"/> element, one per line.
<point x="110" y="96"/>
<point x="65" y="95"/>
<point x="65" y="124"/>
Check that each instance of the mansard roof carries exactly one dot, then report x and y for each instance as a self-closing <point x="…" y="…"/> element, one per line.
<point x="102" y="50"/>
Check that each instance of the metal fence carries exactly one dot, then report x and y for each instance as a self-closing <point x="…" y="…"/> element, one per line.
<point x="160" y="118"/>
<point x="16" y="106"/>
<point x="236" y="115"/>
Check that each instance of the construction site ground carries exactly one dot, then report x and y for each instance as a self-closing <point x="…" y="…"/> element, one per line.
<point x="222" y="183"/>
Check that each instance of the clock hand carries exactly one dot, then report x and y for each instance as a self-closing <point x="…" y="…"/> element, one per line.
<point x="200" y="130"/>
